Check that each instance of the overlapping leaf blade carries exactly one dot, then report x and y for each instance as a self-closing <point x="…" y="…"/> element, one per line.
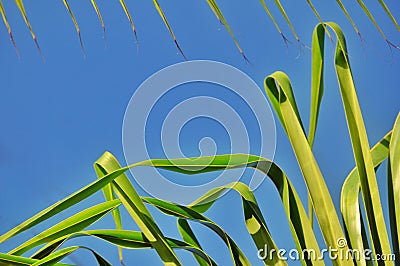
<point x="63" y="204"/>
<point x="7" y="259"/>
<point x="188" y="235"/>
<point x="297" y="217"/>
<point x="394" y="188"/>
<point x="125" y="191"/>
<point x="280" y="93"/>
<point x="349" y="201"/>
<point x="176" y="210"/>
<point x="62" y="253"/>
<point x="124" y="239"/>
<point x="361" y="148"/>
<point x="73" y="224"/>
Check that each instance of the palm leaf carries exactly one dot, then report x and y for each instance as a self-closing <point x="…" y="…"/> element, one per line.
<point x="349" y="203"/>
<point x="94" y="4"/>
<point x="164" y="18"/>
<point x="283" y="12"/>
<point x="264" y="5"/>
<point x="128" y="15"/>
<point x="297" y="217"/>
<point x="188" y="235"/>
<point x="280" y="93"/>
<point x="78" y="31"/>
<point x="384" y="6"/>
<point x="344" y="10"/>
<point x="109" y="196"/>
<point x="176" y="210"/>
<point x="6" y="259"/>
<point x="214" y="7"/>
<point x="21" y="8"/>
<point x="134" y="205"/>
<point x="361" y="148"/>
<point x="73" y="224"/>
<point x="371" y="17"/>
<point x="3" y="15"/>
<point x="63" y="204"/>
<point x="123" y="239"/>
<point x="394" y="188"/>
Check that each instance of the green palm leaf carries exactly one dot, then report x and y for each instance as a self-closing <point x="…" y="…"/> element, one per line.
<point x="60" y="254"/>
<point x="297" y="217"/>
<point x="394" y="188"/>
<point x="78" y="31"/>
<point x="125" y="191"/>
<point x="3" y="15"/>
<point x="176" y="210"/>
<point x="123" y="239"/>
<point x="349" y="203"/>
<point x="21" y="8"/>
<point x="63" y="204"/>
<point x="73" y="224"/>
<point x="6" y="259"/>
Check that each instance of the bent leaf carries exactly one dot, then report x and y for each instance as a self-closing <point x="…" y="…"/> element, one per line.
<point x="296" y="215"/>
<point x="125" y="191"/>
<point x="394" y="188"/>
<point x="6" y="259"/>
<point x="179" y="211"/>
<point x="73" y="224"/>
<point x="124" y="239"/>
<point x="63" y="204"/>
<point x="349" y="203"/>
<point x="60" y="254"/>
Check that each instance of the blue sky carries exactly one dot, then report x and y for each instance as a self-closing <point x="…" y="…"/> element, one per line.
<point x="60" y="115"/>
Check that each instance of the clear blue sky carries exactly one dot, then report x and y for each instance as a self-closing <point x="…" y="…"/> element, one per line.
<point x="59" y="116"/>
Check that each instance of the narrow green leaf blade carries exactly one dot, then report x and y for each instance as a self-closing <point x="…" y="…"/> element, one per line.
<point x="164" y="18"/>
<point x="280" y="93"/>
<point x="94" y="4"/>
<point x="217" y="11"/>
<point x="128" y="15"/>
<point x="188" y="236"/>
<point x="349" y="200"/>
<point x="78" y="31"/>
<point x="297" y="217"/>
<point x="73" y="224"/>
<point x="3" y="15"/>
<point x="109" y="196"/>
<point x="21" y="8"/>
<point x="63" y="204"/>
<point x="6" y="259"/>
<point x="283" y="12"/>
<point x="394" y="188"/>
<point x="136" y="208"/>
<point x="361" y="148"/>
<point x="180" y="211"/>
<point x="387" y="10"/>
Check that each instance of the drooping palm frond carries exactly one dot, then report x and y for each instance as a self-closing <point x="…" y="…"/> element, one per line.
<point x="221" y="18"/>
<point x="359" y="231"/>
